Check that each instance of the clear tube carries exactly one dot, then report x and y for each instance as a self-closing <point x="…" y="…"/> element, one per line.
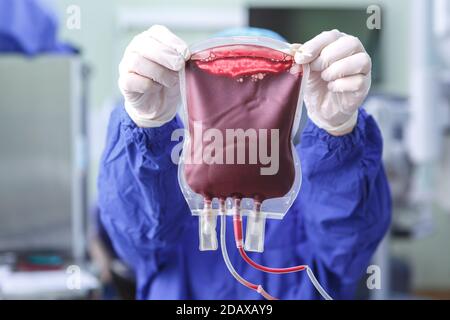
<point x="238" y="238"/>
<point x="207" y="229"/>
<point x="226" y="258"/>
<point x="317" y="285"/>
<point x="254" y="236"/>
<point x="267" y="269"/>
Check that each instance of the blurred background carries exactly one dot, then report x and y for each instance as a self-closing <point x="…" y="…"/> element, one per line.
<point x="58" y="83"/>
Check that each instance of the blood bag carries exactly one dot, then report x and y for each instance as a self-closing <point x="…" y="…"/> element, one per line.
<point x="242" y="102"/>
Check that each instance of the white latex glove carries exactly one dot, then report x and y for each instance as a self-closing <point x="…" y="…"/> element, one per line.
<point x="149" y="76"/>
<point x="339" y="82"/>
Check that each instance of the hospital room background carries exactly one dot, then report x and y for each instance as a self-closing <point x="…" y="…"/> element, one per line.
<point x="55" y="104"/>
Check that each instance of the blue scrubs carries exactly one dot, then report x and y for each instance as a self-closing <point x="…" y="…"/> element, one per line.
<point x="340" y="216"/>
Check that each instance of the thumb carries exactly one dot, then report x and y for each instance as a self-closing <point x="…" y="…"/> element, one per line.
<point x="312" y="49"/>
<point x="300" y="56"/>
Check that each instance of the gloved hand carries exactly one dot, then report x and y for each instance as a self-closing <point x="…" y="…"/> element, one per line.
<point x="339" y="82"/>
<point x="149" y="76"/>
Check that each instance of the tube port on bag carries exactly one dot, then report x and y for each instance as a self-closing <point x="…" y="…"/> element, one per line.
<point x="254" y="236"/>
<point x="207" y="229"/>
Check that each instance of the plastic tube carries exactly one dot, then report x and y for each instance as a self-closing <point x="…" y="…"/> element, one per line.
<point x="268" y="269"/>
<point x="226" y="258"/>
<point x="207" y="228"/>
<point x="256" y="225"/>
<point x="317" y="285"/>
<point x="237" y="223"/>
<point x="238" y="238"/>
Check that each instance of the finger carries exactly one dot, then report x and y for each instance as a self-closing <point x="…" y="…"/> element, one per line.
<point x="132" y="82"/>
<point x="359" y="63"/>
<point x="340" y="49"/>
<point x="137" y="64"/>
<point x="355" y="83"/>
<point x="311" y="49"/>
<point x="156" y="51"/>
<point x="168" y="38"/>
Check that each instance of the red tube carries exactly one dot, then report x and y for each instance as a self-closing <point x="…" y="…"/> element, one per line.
<point x="248" y="284"/>
<point x="237" y="226"/>
<point x="237" y="223"/>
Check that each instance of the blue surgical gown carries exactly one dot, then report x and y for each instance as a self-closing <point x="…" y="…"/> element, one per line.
<point x="340" y="216"/>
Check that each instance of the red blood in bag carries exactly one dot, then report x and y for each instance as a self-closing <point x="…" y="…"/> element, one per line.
<point x="236" y="61"/>
<point x="241" y="87"/>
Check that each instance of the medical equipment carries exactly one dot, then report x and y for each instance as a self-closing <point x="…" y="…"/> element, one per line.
<point x="242" y="148"/>
<point x="242" y="99"/>
<point x="56" y="190"/>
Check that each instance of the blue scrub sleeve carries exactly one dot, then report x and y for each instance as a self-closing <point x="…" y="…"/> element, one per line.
<point x="141" y="205"/>
<point x="345" y="203"/>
